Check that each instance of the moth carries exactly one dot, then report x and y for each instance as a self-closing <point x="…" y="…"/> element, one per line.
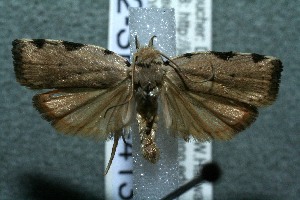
<point x="95" y="92"/>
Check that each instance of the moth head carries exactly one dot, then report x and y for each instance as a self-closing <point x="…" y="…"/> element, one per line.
<point x="147" y="54"/>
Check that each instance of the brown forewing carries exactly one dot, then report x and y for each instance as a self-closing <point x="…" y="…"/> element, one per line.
<point x="249" y="78"/>
<point x="44" y="63"/>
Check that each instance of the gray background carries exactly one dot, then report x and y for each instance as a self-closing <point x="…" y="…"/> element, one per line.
<point x="260" y="163"/>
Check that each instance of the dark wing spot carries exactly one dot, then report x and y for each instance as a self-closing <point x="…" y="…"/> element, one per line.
<point x="276" y="74"/>
<point x="223" y="55"/>
<point x="257" y="58"/>
<point x="107" y="52"/>
<point x="232" y="75"/>
<point x="277" y="69"/>
<point x="39" y="43"/>
<point x="15" y="42"/>
<point x="17" y="50"/>
<point x="71" y="46"/>
<point x="188" y="55"/>
<point x="127" y="63"/>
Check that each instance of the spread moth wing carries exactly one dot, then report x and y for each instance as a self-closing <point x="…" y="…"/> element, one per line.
<point x="218" y="108"/>
<point x="204" y="116"/>
<point x="249" y="78"/>
<point x="44" y="63"/>
<point x="90" y="82"/>
<point x="88" y="112"/>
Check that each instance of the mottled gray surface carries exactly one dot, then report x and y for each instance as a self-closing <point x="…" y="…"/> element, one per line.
<point x="260" y="163"/>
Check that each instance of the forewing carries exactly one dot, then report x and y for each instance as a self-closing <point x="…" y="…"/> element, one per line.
<point x="44" y="63"/>
<point x="203" y="116"/>
<point x="91" y="112"/>
<point x="249" y="78"/>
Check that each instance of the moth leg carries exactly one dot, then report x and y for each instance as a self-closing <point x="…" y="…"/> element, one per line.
<point x="113" y="151"/>
<point x="179" y="71"/>
<point x="124" y="140"/>
<point x="131" y="94"/>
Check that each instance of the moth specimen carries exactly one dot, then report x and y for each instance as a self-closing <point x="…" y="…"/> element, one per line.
<point x="204" y="95"/>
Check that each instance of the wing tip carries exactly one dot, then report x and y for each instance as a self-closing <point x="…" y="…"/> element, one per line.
<point x="17" y="51"/>
<point x="277" y="68"/>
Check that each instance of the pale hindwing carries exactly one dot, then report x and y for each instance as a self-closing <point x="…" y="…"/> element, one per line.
<point x="203" y="116"/>
<point x="249" y="78"/>
<point x="50" y="64"/>
<point x="90" y="112"/>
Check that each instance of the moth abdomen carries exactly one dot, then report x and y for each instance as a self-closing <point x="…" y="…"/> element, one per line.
<point x="147" y="131"/>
